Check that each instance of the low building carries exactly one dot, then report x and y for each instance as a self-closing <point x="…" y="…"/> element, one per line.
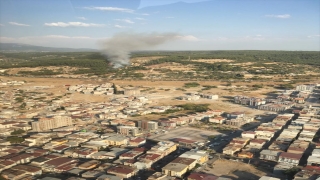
<point x="137" y="142"/>
<point x="132" y="153"/>
<point x="289" y="158"/>
<point x="89" y="164"/>
<point x="175" y="169"/>
<point x="122" y="171"/>
<point x="217" y="119"/>
<point x="269" y="155"/>
<point x="248" y="134"/>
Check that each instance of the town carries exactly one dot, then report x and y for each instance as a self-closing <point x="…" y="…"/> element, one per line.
<point x="50" y="137"/>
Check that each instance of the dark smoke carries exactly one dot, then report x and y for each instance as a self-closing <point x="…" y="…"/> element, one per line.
<point x="118" y="48"/>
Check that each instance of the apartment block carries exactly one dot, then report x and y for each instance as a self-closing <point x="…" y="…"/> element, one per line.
<point x="44" y="124"/>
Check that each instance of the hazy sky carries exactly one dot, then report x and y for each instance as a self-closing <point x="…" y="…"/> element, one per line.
<point x="201" y="24"/>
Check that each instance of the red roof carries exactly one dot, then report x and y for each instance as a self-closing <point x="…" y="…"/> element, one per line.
<point x="290" y="156"/>
<point x="182" y="160"/>
<point x="137" y="140"/>
<point x="202" y="176"/>
<point x="59" y="161"/>
<point x="149" y="156"/>
<point x="122" y="169"/>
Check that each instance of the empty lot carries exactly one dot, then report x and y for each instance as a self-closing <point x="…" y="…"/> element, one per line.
<point x="185" y="133"/>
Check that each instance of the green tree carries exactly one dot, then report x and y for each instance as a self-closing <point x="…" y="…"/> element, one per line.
<point x="18" y="132"/>
<point x="15" y="139"/>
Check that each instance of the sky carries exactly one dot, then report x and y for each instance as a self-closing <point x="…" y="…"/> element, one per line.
<point x="199" y="24"/>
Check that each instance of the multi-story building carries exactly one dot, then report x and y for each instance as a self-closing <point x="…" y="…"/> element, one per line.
<point x="128" y="130"/>
<point x="148" y="125"/>
<point x="303" y="87"/>
<point x="44" y="124"/>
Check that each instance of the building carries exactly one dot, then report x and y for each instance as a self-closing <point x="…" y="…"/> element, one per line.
<point x="269" y="155"/>
<point x="44" y="124"/>
<point x="122" y="171"/>
<point x="303" y="87"/>
<point x="248" y="134"/>
<point x="128" y="130"/>
<point x="148" y="125"/>
<point x="289" y="158"/>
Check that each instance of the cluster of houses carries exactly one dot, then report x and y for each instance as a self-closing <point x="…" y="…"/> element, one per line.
<point x="286" y="146"/>
<point x="236" y="119"/>
<point x="282" y="102"/>
<point x="63" y="155"/>
<point x="252" y="142"/>
<point x="290" y="146"/>
<point x="197" y="96"/>
<point x="106" y="88"/>
<point x="11" y="83"/>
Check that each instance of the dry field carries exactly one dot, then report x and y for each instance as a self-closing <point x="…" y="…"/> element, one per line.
<point x="235" y="170"/>
<point x="65" y="69"/>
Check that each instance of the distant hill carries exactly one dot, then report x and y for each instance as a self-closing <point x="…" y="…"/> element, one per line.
<point x="16" y="47"/>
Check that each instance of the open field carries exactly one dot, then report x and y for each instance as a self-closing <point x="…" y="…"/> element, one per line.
<point x="235" y="170"/>
<point x="186" y="133"/>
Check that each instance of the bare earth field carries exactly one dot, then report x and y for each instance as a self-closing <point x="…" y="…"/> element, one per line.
<point x="185" y="133"/>
<point x="235" y="170"/>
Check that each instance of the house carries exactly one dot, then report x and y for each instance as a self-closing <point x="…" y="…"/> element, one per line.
<point x="289" y="158"/>
<point x="313" y="161"/>
<point x="89" y="164"/>
<point x="145" y="161"/>
<point x="244" y="154"/>
<point x="137" y="142"/>
<point x="163" y="147"/>
<point x="113" y="153"/>
<point x="235" y="115"/>
<point x="175" y="169"/>
<point x="269" y="155"/>
<point x="122" y="171"/>
<point x="132" y="153"/>
<point x="217" y="119"/>
<point x="200" y="156"/>
<point x="248" y="134"/>
<point x="59" y="164"/>
<point x="117" y="140"/>
<point x="92" y="174"/>
<point x="308" y="172"/>
<point x="191" y="163"/>
<point x="232" y="149"/>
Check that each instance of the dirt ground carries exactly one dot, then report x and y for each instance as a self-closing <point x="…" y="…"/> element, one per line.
<point x="163" y="92"/>
<point x="235" y="170"/>
<point x="185" y="133"/>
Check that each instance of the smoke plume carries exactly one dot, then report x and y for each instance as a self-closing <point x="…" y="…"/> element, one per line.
<point x="118" y="48"/>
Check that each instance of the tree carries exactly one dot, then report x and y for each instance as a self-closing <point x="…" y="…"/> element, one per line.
<point x="15" y="139"/>
<point x="18" y="132"/>
<point x="115" y="90"/>
<point x="291" y="172"/>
